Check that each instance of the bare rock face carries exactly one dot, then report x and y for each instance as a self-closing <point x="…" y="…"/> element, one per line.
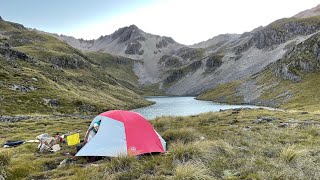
<point x="12" y="54"/>
<point x="174" y="76"/>
<point x="126" y="33"/>
<point x="170" y="61"/>
<point x="72" y="62"/>
<point x="279" y="32"/>
<point x="134" y="48"/>
<point x="214" y="61"/>
<point x="187" y="53"/>
<point x="304" y="58"/>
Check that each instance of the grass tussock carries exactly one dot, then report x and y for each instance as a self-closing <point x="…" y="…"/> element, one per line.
<point x="191" y="171"/>
<point x="186" y="152"/>
<point x="122" y="164"/>
<point x="292" y="153"/>
<point x="183" y="135"/>
<point x="208" y="146"/>
<point x="4" y="162"/>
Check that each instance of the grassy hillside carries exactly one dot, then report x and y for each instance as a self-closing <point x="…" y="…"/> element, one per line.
<point x="224" y="93"/>
<point x="234" y="144"/>
<point x="42" y="75"/>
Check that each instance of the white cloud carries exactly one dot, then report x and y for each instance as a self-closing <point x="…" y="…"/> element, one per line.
<point x="190" y="22"/>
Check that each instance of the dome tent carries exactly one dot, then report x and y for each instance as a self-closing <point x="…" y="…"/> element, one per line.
<point x="122" y="133"/>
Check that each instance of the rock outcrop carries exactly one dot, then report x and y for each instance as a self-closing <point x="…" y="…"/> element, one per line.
<point x="12" y="54"/>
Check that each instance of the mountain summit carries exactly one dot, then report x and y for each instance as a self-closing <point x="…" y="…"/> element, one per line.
<point x="131" y="42"/>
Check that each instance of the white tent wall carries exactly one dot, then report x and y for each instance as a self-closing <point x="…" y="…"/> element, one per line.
<point x="163" y="142"/>
<point x="110" y="140"/>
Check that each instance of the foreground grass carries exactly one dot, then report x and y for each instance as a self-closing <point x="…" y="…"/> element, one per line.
<point x="256" y="144"/>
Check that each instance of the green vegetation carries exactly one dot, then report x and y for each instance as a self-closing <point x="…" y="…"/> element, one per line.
<point x="305" y="93"/>
<point x="233" y="144"/>
<point x="49" y="76"/>
<point x="225" y="93"/>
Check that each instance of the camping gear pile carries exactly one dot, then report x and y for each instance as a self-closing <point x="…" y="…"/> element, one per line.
<point x="47" y="143"/>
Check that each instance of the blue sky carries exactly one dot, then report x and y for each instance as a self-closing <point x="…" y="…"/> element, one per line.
<point x="187" y="21"/>
<point x="62" y="15"/>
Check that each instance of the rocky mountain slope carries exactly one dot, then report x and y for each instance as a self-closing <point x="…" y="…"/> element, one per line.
<point x="193" y="70"/>
<point x="288" y="82"/>
<point x="133" y="43"/>
<point x="41" y="74"/>
<point x="228" y="62"/>
<point x="247" y="55"/>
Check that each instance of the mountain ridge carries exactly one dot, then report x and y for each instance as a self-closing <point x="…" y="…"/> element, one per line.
<point x="192" y="70"/>
<point x="177" y="69"/>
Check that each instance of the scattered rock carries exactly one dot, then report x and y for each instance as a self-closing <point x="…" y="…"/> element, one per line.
<point x="247" y="128"/>
<point x="87" y="108"/>
<point x="65" y="162"/>
<point x="283" y="125"/>
<point x="17" y="87"/>
<point x="264" y="119"/>
<point x="13" y="118"/>
<point x="34" y="79"/>
<point x="304" y="112"/>
<point x="51" y="102"/>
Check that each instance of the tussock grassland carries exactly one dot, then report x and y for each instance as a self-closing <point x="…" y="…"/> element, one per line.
<point x="233" y="144"/>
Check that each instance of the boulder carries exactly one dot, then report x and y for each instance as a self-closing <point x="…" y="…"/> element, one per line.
<point x="51" y="102"/>
<point x="17" y="87"/>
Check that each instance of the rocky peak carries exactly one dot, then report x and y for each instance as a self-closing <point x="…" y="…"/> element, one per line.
<point x="1" y="18"/>
<point x="133" y="27"/>
<point x="309" y="13"/>
<point x="126" y="33"/>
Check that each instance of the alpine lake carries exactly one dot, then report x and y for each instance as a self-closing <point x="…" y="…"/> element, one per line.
<point x="182" y="106"/>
